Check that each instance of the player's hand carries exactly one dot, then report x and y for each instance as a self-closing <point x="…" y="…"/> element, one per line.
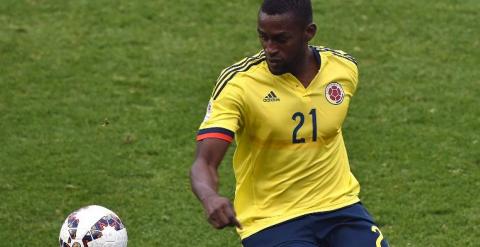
<point x="220" y="212"/>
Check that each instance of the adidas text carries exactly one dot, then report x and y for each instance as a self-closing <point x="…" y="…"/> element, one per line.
<point x="271" y="99"/>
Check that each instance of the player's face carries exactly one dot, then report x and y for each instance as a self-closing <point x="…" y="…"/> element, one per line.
<point x="283" y="39"/>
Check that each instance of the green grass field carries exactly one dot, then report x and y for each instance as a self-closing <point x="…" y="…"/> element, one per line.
<point x="100" y="102"/>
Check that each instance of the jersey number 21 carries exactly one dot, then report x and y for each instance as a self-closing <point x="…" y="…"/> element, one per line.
<point x="301" y="116"/>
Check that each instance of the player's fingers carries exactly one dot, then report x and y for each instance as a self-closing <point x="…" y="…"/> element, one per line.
<point x="235" y="222"/>
<point x="223" y="219"/>
<point x="218" y="219"/>
<point x="232" y="217"/>
<point x="213" y="222"/>
<point x="216" y="222"/>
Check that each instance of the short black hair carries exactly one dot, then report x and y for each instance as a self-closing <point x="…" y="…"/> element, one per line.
<point x="301" y="8"/>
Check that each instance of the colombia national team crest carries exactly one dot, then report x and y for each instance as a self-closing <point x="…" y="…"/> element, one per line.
<point x="334" y="93"/>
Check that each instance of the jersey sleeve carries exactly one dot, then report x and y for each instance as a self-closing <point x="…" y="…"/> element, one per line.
<point x="224" y="114"/>
<point x="352" y="79"/>
<point x="349" y="78"/>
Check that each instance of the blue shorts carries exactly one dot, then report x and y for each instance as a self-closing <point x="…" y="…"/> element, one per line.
<point x="351" y="226"/>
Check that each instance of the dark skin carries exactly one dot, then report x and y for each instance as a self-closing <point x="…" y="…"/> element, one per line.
<point x="284" y="39"/>
<point x="204" y="180"/>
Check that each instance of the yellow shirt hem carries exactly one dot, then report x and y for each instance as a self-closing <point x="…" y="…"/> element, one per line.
<point x="276" y="220"/>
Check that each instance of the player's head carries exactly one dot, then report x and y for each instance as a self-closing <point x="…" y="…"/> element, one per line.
<point x="301" y="9"/>
<point x="285" y="27"/>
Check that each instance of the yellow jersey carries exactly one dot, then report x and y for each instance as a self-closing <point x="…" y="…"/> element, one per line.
<point x="290" y="158"/>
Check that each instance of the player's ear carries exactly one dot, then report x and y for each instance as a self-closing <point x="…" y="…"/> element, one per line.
<point x="310" y="31"/>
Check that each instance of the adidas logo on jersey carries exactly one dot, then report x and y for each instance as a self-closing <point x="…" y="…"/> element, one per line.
<point x="271" y="97"/>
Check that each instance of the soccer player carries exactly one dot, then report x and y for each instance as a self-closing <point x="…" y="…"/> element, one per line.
<point x="284" y="107"/>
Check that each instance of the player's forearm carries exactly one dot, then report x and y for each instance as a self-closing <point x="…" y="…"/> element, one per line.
<point x="204" y="181"/>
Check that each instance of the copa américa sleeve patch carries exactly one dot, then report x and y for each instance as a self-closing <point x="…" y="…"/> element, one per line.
<point x="208" y="113"/>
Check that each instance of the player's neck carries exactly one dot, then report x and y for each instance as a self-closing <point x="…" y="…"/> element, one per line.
<point x="306" y="67"/>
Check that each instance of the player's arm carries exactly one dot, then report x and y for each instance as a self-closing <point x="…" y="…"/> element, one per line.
<point x="204" y="182"/>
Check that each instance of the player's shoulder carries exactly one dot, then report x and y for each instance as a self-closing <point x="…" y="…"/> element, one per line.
<point x="234" y="73"/>
<point x="246" y="62"/>
<point x="337" y="55"/>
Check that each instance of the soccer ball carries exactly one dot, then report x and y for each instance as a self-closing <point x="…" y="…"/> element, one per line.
<point x="93" y="226"/>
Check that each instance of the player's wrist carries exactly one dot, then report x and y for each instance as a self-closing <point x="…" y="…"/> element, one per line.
<point x="208" y="197"/>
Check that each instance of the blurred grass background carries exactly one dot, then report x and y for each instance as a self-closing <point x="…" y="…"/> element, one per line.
<point x="100" y="102"/>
